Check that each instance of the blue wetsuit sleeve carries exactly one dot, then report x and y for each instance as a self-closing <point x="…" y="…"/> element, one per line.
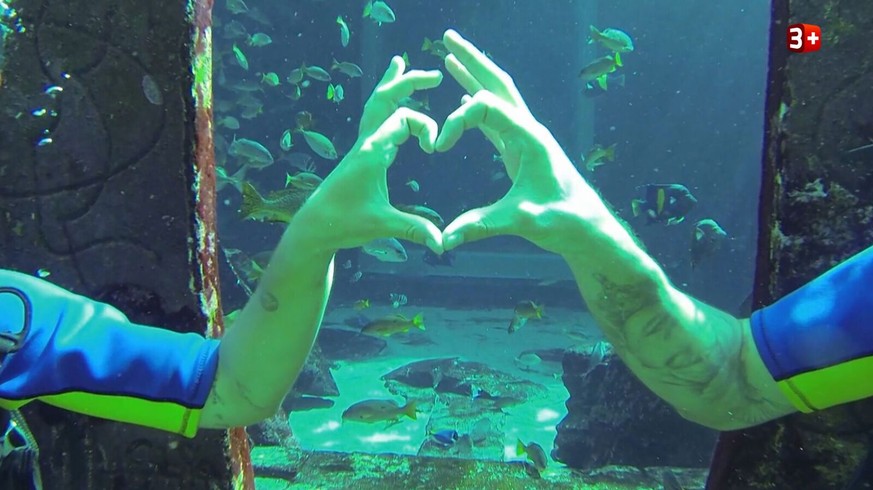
<point x="86" y="356"/>
<point x="817" y="342"/>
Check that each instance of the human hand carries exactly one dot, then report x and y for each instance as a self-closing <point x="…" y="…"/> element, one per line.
<point x="546" y="191"/>
<point x="351" y="207"/>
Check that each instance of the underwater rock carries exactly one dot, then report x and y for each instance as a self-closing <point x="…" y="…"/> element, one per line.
<point x="316" y="378"/>
<point x="465" y="378"/>
<point x="346" y="345"/>
<point x="304" y="403"/>
<point x="480" y="433"/>
<point x="613" y="419"/>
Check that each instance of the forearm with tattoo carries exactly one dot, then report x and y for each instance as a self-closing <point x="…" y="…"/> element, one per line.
<point x="692" y="355"/>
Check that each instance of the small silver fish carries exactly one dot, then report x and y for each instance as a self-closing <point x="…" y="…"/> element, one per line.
<point x="345" y="35"/>
<point x="241" y="59"/>
<point x="254" y="153"/>
<point x="336" y="93"/>
<point x="228" y="122"/>
<point x="320" y="144"/>
<point x="237" y="6"/>
<point x="379" y="12"/>
<point x="347" y="67"/>
<point x="285" y="143"/>
<point x="317" y="73"/>
<point x="535" y="454"/>
<point x="386" y="250"/>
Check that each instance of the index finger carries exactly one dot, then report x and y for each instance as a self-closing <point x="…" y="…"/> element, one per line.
<point x="409" y="82"/>
<point x="391" y="90"/>
<point x="485" y="71"/>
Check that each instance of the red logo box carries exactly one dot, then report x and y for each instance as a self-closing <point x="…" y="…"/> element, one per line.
<point x="803" y="38"/>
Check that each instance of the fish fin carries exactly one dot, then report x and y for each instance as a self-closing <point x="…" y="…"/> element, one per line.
<point x="601" y="81"/>
<point x="539" y="310"/>
<point x="418" y="321"/>
<point x="610" y="153"/>
<point x="636" y="206"/>
<point x="426" y="45"/>
<point x="251" y="200"/>
<point x="594" y="32"/>
<point x="520" y="448"/>
<point x="334" y="65"/>
<point x="661" y="200"/>
<point x="367" y="9"/>
<point x="238" y="178"/>
<point x="618" y="59"/>
<point x="410" y="411"/>
<point x="620" y="79"/>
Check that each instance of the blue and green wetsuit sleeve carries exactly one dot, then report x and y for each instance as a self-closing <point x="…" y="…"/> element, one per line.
<point x="87" y="357"/>
<point x="817" y="342"/>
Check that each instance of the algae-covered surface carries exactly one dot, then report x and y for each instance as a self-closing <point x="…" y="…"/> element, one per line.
<point x="334" y="470"/>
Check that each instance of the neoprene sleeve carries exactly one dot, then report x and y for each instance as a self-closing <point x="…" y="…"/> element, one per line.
<point x="86" y="356"/>
<point x="817" y="342"/>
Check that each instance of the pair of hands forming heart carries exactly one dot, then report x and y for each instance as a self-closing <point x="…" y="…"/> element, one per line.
<point x="351" y="206"/>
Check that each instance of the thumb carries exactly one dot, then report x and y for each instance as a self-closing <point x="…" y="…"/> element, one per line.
<point x="415" y="229"/>
<point x="478" y="224"/>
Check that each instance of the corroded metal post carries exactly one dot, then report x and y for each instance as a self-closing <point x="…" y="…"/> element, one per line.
<point x="816" y="209"/>
<point x="205" y="220"/>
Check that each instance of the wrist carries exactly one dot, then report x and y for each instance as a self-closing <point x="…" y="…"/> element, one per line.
<point x="600" y="243"/>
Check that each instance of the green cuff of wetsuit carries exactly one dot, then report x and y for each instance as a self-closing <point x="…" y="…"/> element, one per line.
<point x="817" y="342"/>
<point x="835" y="385"/>
<point x="167" y="416"/>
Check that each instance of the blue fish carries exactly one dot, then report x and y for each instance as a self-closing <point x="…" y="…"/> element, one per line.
<point x="445" y="437"/>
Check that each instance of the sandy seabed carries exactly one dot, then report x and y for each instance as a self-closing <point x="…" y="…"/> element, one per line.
<point x="473" y="335"/>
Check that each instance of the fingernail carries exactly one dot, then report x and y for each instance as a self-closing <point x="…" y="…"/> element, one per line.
<point x="452" y="241"/>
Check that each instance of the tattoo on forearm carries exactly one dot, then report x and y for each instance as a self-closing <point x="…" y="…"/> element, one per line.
<point x="616" y="304"/>
<point x="709" y="368"/>
<point x="215" y="399"/>
<point x="269" y="302"/>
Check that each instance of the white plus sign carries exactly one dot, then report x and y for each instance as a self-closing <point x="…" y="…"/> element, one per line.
<point x="812" y="38"/>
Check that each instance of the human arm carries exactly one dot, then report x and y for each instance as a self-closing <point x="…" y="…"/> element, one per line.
<point x="697" y="358"/>
<point x="263" y="353"/>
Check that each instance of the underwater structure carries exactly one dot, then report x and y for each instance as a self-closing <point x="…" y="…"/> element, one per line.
<point x="816" y="209"/>
<point x="114" y="194"/>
